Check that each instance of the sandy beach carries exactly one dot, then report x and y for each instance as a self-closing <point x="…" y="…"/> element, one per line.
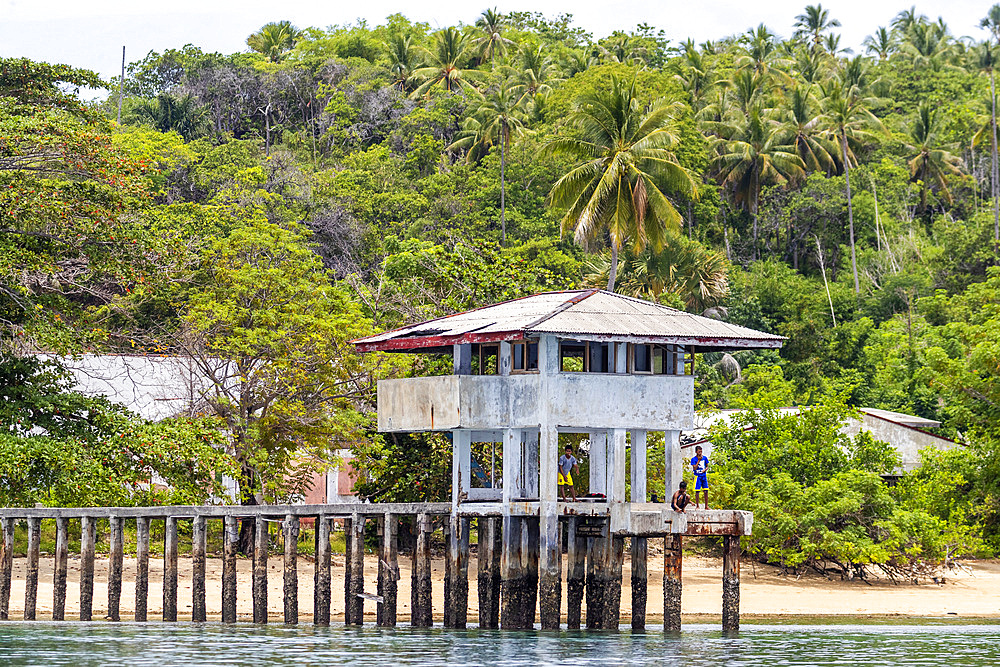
<point x="766" y="593"/>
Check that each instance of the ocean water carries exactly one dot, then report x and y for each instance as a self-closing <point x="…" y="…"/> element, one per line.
<point x="160" y="645"/>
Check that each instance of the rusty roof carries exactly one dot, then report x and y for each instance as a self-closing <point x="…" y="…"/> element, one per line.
<point x="580" y="314"/>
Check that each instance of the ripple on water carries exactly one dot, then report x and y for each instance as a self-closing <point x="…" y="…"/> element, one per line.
<point x="159" y="645"/>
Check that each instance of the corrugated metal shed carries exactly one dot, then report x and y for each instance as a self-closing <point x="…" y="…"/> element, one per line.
<point x="580" y="314"/>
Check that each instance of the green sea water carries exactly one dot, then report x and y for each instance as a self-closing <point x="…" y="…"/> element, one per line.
<point x="160" y="645"/>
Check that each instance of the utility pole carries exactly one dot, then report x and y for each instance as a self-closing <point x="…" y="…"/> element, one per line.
<point x="121" y="87"/>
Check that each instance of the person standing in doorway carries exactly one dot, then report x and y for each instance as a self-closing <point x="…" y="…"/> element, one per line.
<point x="699" y="466"/>
<point x="567" y="468"/>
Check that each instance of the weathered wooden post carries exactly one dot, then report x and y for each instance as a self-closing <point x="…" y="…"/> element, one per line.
<point x="230" y="536"/>
<point x="421" y="611"/>
<point x="388" y="572"/>
<point x="6" y="564"/>
<point x="31" y="578"/>
<point x="116" y="557"/>
<point x="489" y="573"/>
<point x="529" y="566"/>
<point x="731" y="583"/>
<point x="321" y="584"/>
<point x="59" y="571"/>
<point x="457" y="588"/>
<point x="141" y="567"/>
<point x="576" y="562"/>
<point x="348" y="532"/>
<point x="639" y="582"/>
<point x="598" y="553"/>
<point x="199" y="545"/>
<point x="672" y="562"/>
<point x="448" y="571"/>
<point x="88" y="535"/>
<point x="170" y="569"/>
<point x="355" y="603"/>
<point x="290" y="528"/>
<point x="511" y="574"/>
<point x="259" y="583"/>
<point x="613" y="601"/>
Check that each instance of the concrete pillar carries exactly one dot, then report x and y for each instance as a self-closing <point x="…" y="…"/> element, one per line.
<point x="88" y="537"/>
<point x="489" y="573"/>
<point x="550" y="551"/>
<point x="448" y="572"/>
<point x="598" y="556"/>
<point x="639" y="582"/>
<point x="730" y="583"/>
<point x="672" y="562"/>
<point x="290" y="530"/>
<point x="420" y="587"/>
<point x="511" y="573"/>
<point x="230" y="538"/>
<point x="598" y="460"/>
<point x="31" y="577"/>
<point x="638" y="481"/>
<point x="388" y="572"/>
<point x="513" y="474"/>
<point x="530" y="543"/>
<point x="461" y="466"/>
<point x="6" y="564"/>
<point x="576" y="562"/>
<point x="170" y="569"/>
<point x="116" y="557"/>
<point x="355" y="603"/>
<point x="348" y="607"/>
<point x="258" y="586"/>
<point x="504" y="361"/>
<point x="613" y="599"/>
<point x="617" y="480"/>
<point x="141" y="568"/>
<point x="321" y="577"/>
<point x="59" y="571"/>
<point x="457" y="596"/>
<point x="673" y="458"/>
<point x="199" y="544"/>
<point x="532" y="458"/>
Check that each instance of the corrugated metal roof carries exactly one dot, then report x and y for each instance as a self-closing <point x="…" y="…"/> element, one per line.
<point x="586" y="314"/>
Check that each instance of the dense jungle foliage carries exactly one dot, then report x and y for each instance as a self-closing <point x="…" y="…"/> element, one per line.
<point x="266" y="207"/>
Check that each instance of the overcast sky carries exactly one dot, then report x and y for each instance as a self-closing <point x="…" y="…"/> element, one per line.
<point x="91" y="33"/>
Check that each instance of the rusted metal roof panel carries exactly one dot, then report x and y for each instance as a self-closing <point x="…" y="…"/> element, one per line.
<point x="580" y="314"/>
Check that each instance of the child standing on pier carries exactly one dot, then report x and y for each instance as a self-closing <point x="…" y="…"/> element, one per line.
<point x="567" y="466"/>
<point x="699" y="466"/>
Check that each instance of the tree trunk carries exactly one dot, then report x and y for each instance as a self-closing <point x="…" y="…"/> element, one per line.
<point x="613" y="272"/>
<point x="996" y="167"/>
<point x="503" y="186"/>
<point x="850" y="214"/>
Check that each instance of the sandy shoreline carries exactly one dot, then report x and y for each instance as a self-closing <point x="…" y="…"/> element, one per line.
<point x="768" y="595"/>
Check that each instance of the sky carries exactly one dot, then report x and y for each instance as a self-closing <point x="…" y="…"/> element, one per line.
<point x="91" y="33"/>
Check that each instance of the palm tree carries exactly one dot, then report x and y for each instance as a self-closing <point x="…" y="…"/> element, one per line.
<point x="273" y="40"/>
<point x="929" y="45"/>
<point x="906" y="19"/>
<point x="931" y="161"/>
<point x="752" y="153"/>
<point x="882" y="43"/>
<point x="404" y="60"/>
<point x="695" y="76"/>
<point x="576" y="61"/>
<point x="992" y="23"/>
<point x="447" y="64"/>
<point x="537" y="73"/>
<point x="626" y="166"/>
<point x="493" y="121"/>
<point x="761" y="53"/>
<point x="173" y="113"/>
<point x="811" y="66"/>
<point x="813" y="22"/>
<point x="492" y="41"/>
<point x="848" y="121"/>
<point x="832" y="44"/>
<point x="803" y="132"/>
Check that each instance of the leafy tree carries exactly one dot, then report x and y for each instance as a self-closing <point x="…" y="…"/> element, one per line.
<point x="274" y="40"/>
<point x="627" y="165"/>
<point x="992" y="23"/>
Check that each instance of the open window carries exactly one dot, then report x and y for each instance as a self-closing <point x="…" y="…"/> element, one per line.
<point x="524" y="357"/>
<point x="486" y="359"/>
<point x="586" y="357"/>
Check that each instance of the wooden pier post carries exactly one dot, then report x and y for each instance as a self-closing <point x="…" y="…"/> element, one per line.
<point x="388" y="572"/>
<point x="142" y="568"/>
<point x="529" y="563"/>
<point x="290" y="527"/>
<point x="448" y="571"/>
<point x="6" y="564"/>
<point x="355" y="603"/>
<point x="489" y="573"/>
<point x="199" y="545"/>
<point x="321" y="585"/>
<point x="348" y="532"/>
<point x="576" y="564"/>
<point x="639" y="582"/>
<point x="31" y="577"/>
<point x="230" y="538"/>
<point x="116" y="556"/>
<point x="550" y="572"/>
<point x="598" y="554"/>
<point x="511" y="574"/>
<point x="613" y="595"/>
<point x="731" y="583"/>
<point x="258" y="587"/>
<point x="59" y="570"/>
<point x="421" y="611"/>
<point x="672" y="562"/>
<point x="88" y="535"/>
<point x="170" y="569"/>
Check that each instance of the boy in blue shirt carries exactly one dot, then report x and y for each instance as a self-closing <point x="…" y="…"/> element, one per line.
<point x="699" y="465"/>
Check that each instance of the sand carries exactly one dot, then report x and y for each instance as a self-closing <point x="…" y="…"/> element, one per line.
<point x="765" y="593"/>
